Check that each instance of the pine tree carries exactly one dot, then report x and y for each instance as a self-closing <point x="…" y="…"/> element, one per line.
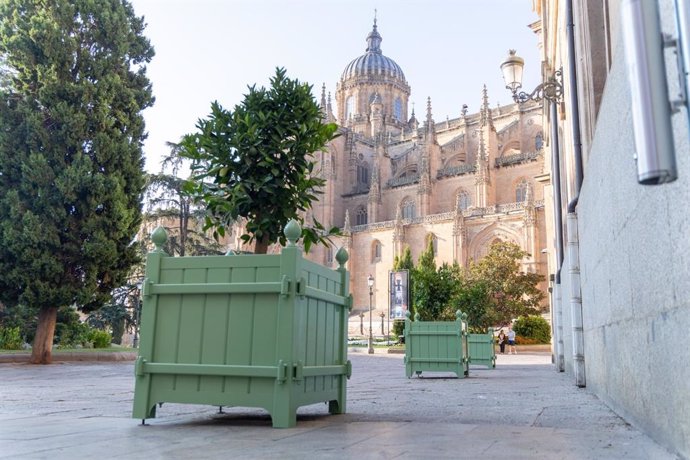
<point x="170" y="207"/>
<point x="72" y="85"/>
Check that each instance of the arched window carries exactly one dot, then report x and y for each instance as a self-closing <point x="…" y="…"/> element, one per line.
<point x="376" y="251"/>
<point x="463" y="200"/>
<point x="539" y="141"/>
<point x="363" y="174"/>
<point x="350" y="107"/>
<point x="329" y="255"/>
<point x="408" y="209"/>
<point x="397" y="109"/>
<point x="521" y="191"/>
<point x="361" y="216"/>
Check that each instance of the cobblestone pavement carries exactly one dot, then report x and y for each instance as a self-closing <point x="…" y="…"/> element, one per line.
<point x="522" y="409"/>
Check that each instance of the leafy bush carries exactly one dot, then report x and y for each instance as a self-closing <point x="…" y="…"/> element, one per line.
<point x="520" y="340"/>
<point x="10" y="338"/>
<point x="533" y="327"/>
<point x="71" y="335"/>
<point x="20" y="316"/>
<point x="399" y="329"/>
<point x="100" y="338"/>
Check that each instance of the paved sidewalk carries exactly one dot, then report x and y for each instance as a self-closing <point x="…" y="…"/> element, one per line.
<point x="522" y="409"/>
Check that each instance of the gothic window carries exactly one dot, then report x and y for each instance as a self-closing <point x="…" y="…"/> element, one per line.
<point x="363" y="174"/>
<point x="376" y="251"/>
<point x="361" y="216"/>
<point x="397" y="109"/>
<point x="539" y="141"/>
<point x="408" y="209"/>
<point x="350" y="107"/>
<point x="329" y="256"/>
<point x="521" y="191"/>
<point x="463" y="201"/>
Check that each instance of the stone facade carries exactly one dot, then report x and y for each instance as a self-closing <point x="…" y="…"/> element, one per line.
<point x="394" y="181"/>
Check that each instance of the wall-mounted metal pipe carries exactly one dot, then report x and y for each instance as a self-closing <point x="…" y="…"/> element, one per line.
<point x="651" y="110"/>
<point x="683" y="24"/>
<point x="576" y="301"/>
<point x="573" y="241"/>
<point x="574" y="107"/>
<point x="556" y="183"/>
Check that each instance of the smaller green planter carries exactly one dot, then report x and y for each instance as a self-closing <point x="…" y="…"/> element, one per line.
<point x="482" y="349"/>
<point x="436" y="346"/>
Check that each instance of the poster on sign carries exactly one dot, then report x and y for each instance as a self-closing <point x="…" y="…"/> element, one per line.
<point x="399" y="294"/>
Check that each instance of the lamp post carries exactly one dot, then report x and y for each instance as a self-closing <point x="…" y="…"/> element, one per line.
<point x="370" y="283"/>
<point x="552" y="91"/>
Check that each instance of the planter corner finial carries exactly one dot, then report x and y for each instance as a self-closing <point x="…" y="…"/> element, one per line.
<point x="159" y="236"/>
<point x="292" y="232"/>
<point x="342" y="256"/>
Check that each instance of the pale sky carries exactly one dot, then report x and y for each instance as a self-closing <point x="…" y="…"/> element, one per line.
<point x="210" y="50"/>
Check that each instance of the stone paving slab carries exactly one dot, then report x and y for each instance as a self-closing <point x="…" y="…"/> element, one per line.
<point x="522" y="409"/>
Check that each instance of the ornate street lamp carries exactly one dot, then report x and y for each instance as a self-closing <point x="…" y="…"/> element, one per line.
<point x="552" y="91"/>
<point x="370" y="283"/>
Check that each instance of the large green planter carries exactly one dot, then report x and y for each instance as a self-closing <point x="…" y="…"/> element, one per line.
<point x="266" y="331"/>
<point x="482" y="350"/>
<point x="436" y="346"/>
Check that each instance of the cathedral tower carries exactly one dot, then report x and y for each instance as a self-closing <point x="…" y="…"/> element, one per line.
<point x="366" y="77"/>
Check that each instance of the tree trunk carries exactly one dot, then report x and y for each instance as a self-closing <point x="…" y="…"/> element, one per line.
<point x="261" y="245"/>
<point x="42" y="350"/>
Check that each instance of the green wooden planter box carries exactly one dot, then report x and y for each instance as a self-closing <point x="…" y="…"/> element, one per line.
<point x="436" y="346"/>
<point x="266" y="331"/>
<point x="482" y="350"/>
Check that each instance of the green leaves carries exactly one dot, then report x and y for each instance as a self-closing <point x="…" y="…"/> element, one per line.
<point x="255" y="162"/>
<point x="491" y="291"/>
<point x="510" y="291"/>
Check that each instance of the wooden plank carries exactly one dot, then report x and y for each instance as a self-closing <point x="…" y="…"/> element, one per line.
<point x="216" y="288"/>
<point x="194" y="370"/>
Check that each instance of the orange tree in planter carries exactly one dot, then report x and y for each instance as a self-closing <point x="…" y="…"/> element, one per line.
<point x="256" y="162"/>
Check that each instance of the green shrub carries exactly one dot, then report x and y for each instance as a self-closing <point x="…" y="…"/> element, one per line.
<point x="520" y="340"/>
<point x="533" y="327"/>
<point x="72" y="334"/>
<point x="10" y="338"/>
<point x="100" y="338"/>
<point x="398" y="328"/>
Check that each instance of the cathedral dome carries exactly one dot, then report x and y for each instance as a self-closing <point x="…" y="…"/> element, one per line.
<point x="373" y="63"/>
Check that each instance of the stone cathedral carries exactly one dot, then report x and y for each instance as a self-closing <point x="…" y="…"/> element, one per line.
<point x="396" y="180"/>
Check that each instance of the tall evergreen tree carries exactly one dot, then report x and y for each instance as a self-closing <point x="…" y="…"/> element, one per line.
<point x="72" y="89"/>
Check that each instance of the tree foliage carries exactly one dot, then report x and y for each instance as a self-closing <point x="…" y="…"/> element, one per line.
<point x="72" y="90"/>
<point x="172" y="208"/>
<point x="434" y="289"/>
<point x="492" y="291"/>
<point x="506" y="292"/>
<point x="533" y="327"/>
<point x="255" y="162"/>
